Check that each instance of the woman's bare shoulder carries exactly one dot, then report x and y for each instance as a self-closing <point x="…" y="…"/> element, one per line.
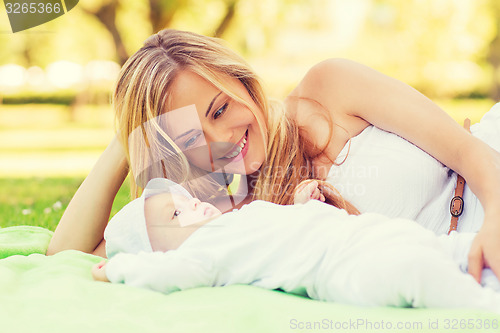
<point x="322" y="88"/>
<point x="325" y="74"/>
<point x="317" y="103"/>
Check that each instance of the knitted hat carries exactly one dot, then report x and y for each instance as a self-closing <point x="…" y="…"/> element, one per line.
<point x="126" y="231"/>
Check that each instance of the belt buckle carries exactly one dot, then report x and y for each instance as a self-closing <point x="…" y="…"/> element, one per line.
<point x="457" y="206"/>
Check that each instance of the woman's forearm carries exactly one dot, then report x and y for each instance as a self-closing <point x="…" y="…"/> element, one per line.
<point x="480" y="166"/>
<point x="82" y="224"/>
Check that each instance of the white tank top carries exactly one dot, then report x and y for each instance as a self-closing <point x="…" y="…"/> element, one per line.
<point x="386" y="174"/>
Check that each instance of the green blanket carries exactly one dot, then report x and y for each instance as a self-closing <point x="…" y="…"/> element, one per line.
<point x="23" y="240"/>
<point x="57" y="294"/>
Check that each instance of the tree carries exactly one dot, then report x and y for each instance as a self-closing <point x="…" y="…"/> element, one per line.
<point x="106" y="14"/>
<point x="161" y="13"/>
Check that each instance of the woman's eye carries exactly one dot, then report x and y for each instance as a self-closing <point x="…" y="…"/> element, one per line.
<point x="191" y="141"/>
<point x="220" y="111"/>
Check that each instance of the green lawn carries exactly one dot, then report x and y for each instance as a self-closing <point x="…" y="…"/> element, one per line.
<point x="42" y="201"/>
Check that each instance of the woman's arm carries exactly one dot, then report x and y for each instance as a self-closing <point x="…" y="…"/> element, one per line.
<point x="349" y="88"/>
<point x="82" y="225"/>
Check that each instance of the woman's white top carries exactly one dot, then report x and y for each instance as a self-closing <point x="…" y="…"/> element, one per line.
<point x="386" y="174"/>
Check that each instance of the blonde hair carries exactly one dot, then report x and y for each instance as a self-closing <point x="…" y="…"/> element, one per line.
<point x="142" y="95"/>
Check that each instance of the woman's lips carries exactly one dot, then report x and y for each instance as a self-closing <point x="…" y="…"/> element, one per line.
<point x="239" y="147"/>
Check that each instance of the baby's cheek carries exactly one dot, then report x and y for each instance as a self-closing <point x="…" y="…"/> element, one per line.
<point x="189" y="219"/>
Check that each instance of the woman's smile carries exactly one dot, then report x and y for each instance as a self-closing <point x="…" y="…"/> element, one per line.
<point x="232" y="140"/>
<point x="240" y="148"/>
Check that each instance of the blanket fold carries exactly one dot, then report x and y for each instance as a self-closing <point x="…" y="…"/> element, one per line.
<point x="23" y="240"/>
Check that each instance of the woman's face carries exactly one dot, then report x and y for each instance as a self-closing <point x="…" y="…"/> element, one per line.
<point x="214" y="131"/>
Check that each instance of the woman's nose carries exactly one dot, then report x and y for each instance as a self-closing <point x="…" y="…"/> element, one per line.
<point x="220" y="133"/>
<point x="220" y="143"/>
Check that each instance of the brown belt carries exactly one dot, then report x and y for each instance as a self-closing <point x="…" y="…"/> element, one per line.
<point x="457" y="203"/>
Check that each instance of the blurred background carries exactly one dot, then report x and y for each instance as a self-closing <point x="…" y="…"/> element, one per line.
<point x="56" y="79"/>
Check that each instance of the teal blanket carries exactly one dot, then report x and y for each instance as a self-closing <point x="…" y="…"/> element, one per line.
<point x="57" y="294"/>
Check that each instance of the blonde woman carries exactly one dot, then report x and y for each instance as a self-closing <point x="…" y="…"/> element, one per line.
<point x="191" y="110"/>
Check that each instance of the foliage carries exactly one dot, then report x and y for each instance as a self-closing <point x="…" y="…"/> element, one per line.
<point x="64" y="97"/>
<point x="61" y="96"/>
<point x="444" y="48"/>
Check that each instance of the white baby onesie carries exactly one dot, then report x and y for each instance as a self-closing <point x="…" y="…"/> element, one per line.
<point x="317" y="250"/>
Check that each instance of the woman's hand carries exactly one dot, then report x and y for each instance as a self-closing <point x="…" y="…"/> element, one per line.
<point x="99" y="272"/>
<point x="307" y="190"/>
<point x="485" y="249"/>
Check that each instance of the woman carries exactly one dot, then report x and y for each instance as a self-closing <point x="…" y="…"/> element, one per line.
<point x="191" y="110"/>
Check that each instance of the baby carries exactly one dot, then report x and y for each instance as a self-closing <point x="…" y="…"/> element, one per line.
<point x="168" y="241"/>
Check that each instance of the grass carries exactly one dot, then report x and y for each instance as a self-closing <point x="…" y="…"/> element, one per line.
<point x="42" y="201"/>
<point x="54" y="117"/>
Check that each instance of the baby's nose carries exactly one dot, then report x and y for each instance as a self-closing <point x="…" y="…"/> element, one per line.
<point x="195" y="202"/>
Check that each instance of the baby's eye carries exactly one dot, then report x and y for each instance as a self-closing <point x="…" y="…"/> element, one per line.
<point x="176" y="213"/>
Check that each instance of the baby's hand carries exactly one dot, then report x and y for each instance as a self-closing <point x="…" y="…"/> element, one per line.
<point x="307" y="190"/>
<point x="99" y="272"/>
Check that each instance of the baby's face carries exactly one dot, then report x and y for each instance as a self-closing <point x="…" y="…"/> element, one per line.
<point x="171" y="218"/>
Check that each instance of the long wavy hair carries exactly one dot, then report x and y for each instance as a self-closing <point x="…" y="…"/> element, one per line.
<point x="142" y="94"/>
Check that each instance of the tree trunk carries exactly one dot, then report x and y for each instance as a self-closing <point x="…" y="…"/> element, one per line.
<point x="161" y="13"/>
<point x="106" y="14"/>
<point x="226" y="20"/>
